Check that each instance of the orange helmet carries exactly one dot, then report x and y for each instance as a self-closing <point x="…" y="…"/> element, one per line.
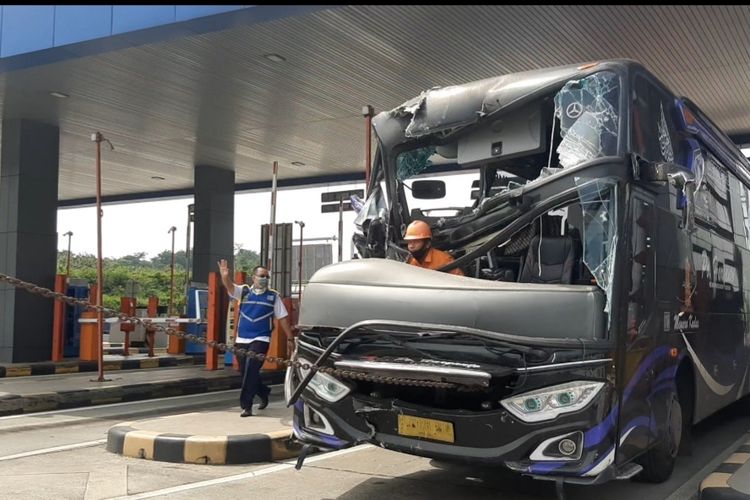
<point x="418" y="230"/>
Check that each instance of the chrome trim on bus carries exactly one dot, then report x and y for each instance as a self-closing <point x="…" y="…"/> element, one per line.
<point x="439" y="373"/>
<point x="570" y="364"/>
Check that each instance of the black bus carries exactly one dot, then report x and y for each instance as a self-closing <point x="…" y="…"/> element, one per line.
<point x="603" y="307"/>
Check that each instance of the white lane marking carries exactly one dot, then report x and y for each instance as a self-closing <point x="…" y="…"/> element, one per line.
<point x="247" y="475"/>
<point x="54" y="449"/>
<point x="101" y="407"/>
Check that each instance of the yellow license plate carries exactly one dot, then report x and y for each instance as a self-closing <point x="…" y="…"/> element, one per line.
<point x="438" y="430"/>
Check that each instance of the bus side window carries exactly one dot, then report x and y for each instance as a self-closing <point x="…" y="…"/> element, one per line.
<point x="642" y="271"/>
<point x="745" y="200"/>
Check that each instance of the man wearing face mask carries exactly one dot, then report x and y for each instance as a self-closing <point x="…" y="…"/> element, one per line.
<point x="419" y="242"/>
<point x="259" y="305"/>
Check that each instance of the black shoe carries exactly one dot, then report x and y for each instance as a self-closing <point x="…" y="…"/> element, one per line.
<point x="263" y="402"/>
<point x="246" y="413"/>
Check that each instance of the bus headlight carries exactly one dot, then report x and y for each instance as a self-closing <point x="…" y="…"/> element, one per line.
<point x="547" y="403"/>
<point x="324" y="385"/>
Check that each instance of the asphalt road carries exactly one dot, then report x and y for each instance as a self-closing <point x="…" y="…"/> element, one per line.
<point x="61" y="455"/>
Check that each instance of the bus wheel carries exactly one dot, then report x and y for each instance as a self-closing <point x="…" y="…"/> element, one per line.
<point x="658" y="462"/>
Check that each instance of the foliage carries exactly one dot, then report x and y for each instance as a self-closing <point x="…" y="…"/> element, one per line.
<point x="246" y="260"/>
<point x="151" y="277"/>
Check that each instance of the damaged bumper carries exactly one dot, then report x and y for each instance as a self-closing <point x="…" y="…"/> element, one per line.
<point x="574" y="445"/>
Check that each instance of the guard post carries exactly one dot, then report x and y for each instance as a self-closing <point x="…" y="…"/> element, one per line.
<point x="153" y="312"/>
<point x="212" y="329"/>
<point x="58" y="323"/>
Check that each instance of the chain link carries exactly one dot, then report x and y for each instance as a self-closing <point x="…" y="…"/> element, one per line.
<point x="237" y="351"/>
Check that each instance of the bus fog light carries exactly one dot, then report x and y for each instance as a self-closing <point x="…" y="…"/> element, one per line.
<point x="567" y="447"/>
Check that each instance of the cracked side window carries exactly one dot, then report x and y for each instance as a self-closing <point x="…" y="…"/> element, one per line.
<point x="589" y="115"/>
<point x="665" y="142"/>
<point x="599" y="230"/>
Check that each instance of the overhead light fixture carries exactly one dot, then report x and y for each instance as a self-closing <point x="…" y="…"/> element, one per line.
<point x="298" y="164"/>
<point x="59" y="95"/>
<point x="157" y="177"/>
<point x="274" y="57"/>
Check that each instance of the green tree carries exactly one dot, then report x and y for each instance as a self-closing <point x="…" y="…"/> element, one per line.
<point x="137" y="259"/>
<point x="153" y="279"/>
<point x="245" y="260"/>
<point x="164" y="259"/>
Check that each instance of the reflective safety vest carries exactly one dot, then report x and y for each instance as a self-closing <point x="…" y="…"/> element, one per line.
<point x="256" y="313"/>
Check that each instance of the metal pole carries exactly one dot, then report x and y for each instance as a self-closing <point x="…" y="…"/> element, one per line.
<point x="341" y="229"/>
<point x="187" y="254"/>
<point x="368" y="111"/>
<point x="269" y="259"/>
<point x="299" y="274"/>
<point x="171" y="275"/>
<point x="97" y="137"/>
<point x="69" y="234"/>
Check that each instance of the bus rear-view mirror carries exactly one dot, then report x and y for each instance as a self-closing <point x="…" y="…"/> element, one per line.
<point x="428" y="189"/>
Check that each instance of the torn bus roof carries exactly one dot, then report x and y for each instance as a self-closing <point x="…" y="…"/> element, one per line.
<point x="445" y="108"/>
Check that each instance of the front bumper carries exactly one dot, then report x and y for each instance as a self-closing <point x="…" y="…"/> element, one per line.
<point x="486" y="437"/>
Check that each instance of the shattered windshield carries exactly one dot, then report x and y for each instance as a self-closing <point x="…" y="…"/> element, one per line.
<point x="597" y="198"/>
<point x="588" y="113"/>
<point x="420" y="160"/>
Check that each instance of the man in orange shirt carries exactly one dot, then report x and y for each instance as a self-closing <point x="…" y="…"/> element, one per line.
<point x="419" y="242"/>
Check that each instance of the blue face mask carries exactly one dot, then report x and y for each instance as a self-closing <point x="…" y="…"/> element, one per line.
<point x="263" y="282"/>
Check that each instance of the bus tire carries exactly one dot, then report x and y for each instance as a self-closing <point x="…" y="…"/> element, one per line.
<point x="658" y="462"/>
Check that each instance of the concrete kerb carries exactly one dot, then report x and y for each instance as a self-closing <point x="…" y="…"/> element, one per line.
<point x="14" y="404"/>
<point x="731" y="479"/>
<point x="128" y="441"/>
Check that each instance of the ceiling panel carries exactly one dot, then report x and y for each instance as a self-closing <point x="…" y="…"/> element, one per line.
<point x="213" y="99"/>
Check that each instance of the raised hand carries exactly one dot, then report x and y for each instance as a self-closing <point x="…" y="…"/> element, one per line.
<point x="224" y="269"/>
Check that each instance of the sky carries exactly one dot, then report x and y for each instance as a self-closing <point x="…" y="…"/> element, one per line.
<point x="133" y="227"/>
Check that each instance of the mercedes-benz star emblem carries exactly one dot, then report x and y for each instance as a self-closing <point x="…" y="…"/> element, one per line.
<point x="574" y="110"/>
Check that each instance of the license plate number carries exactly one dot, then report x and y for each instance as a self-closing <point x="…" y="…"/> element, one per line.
<point x="429" y="428"/>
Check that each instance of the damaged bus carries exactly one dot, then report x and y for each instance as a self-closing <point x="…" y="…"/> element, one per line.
<point x="602" y="311"/>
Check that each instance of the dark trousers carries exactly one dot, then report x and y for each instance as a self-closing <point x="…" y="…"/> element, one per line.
<point x="252" y="384"/>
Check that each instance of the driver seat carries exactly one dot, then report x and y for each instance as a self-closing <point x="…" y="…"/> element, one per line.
<point x="549" y="259"/>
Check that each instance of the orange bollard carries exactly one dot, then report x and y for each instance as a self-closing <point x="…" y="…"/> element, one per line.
<point x="240" y="277"/>
<point x="278" y="344"/>
<point x="127" y="306"/>
<point x="58" y="322"/>
<point x="176" y="345"/>
<point x="89" y="350"/>
<point x="152" y="311"/>
<point x="212" y="329"/>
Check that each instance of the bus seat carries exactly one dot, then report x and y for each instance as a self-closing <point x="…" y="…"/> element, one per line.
<point x="557" y="260"/>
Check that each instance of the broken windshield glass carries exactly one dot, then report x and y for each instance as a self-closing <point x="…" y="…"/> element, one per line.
<point x="374" y="207"/>
<point x="665" y="142"/>
<point x="598" y="203"/>
<point x="588" y="110"/>
<point x="411" y="163"/>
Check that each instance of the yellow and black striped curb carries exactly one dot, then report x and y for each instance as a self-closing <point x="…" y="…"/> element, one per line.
<point x="125" y="440"/>
<point x="75" y="366"/>
<point x="730" y="478"/>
